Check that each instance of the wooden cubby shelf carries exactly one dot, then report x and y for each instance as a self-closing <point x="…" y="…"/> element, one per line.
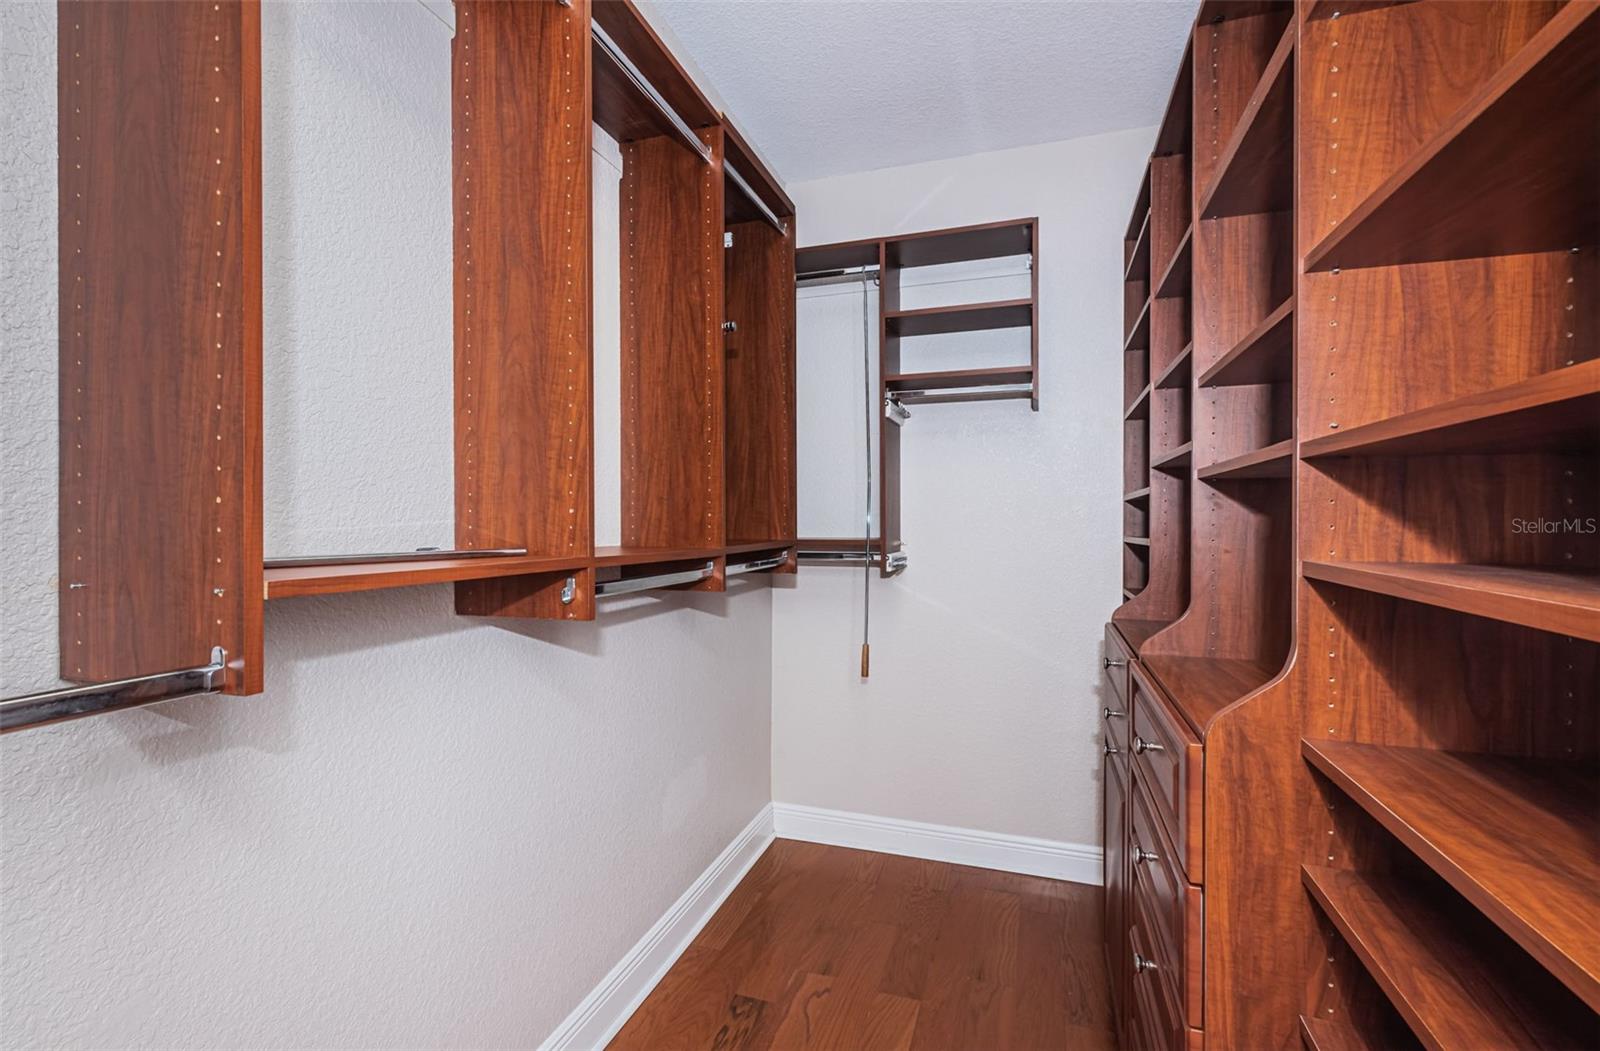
<point x="337" y="578"/>
<point x="958" y="378"/>
<point x="1174" y="461"/>
<point x="1255" y="173"/>
<point x="1466" y="194"/>
<point x="1175" y="277"/>
<point x="1263" y="356"/>
<point x="1203" y="686"/>
<point x="1136" y="496"/>
<point x="1567" y="603"/>
<point x="1139" y="334"/>
<point x="1176" y="375"/>
<point x="1136" y="541"/>
<point x="1138" y="268"/>
<point x="967" y="317"/>
<point x="1140" y="409"/>
<point x="1526" y="853"/>
<point x="1137" y="630"/>
<point x="1436" y="975"/>
<point x="1273" y="461"/>
<point x="1323" y="1034"/>
<point x="1555" y="412"/>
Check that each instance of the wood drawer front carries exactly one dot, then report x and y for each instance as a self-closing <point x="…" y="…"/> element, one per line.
<point x="1168" y="756"/>
<point x="1116" y="662"/>
<point x="1156" y="1020"/>
<point x="1173" y="906"/>
<point x="1115" y="875"/>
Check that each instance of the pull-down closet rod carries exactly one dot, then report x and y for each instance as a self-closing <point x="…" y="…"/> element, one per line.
<point x="614" y="53"/>
<point x="54" y="706"/>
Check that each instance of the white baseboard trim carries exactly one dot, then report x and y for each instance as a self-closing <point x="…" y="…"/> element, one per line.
<point x="1073" y="862"/>
<point x="601" y="1014"/>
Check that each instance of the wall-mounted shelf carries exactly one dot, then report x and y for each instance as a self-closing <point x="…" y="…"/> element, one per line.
<point x="1176" y="375"/>
<point x="1255" y="173"/>
<point x="966" y="317"/>
<point x="1136" y="496"/>
<point x="337" y="578"/>
<point x="1273" y="461"/>
<point x="1140" y="409"/>
<point x="925" y="383"/>
<point x="1138" y="268"/>
<point x="1174" y="279"/>
<point x="1201" y="687"/>
<point x="1175" y="460"/>
<point x="1139" y="335"/>
<point x="1263" y="356"/>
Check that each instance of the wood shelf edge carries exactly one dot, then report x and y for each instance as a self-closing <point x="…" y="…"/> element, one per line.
<point x="1282" y="314"/>
<point x="1272" y="461"/>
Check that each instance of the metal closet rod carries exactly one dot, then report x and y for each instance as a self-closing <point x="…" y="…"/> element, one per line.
<point x="76" y="702"/>
<point x="641" y="82"/>
<point x="628" y="585"/>
<point x="755" y="198"/>
<point x="756" y="565"/>
<point x="836" y="277"/>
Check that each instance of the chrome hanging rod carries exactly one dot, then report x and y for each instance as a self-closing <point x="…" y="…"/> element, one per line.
<point x="614" y="52"/>
<point x="628" y="585"/>
<point x="421" y="554"/>
<point x="836" y="277"/>
<point x="761" y="206"/>
<point x="76" y="702"/>
<point x="757" y="565"/>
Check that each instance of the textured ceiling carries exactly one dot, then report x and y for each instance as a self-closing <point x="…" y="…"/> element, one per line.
<point x="825" y="87"/>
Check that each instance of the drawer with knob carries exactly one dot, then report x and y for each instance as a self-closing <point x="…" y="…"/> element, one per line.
<point x="1115" y="662"/>
<point x="1168" y="755"/>
<point x="1156" y="1022"/>
<point x="1173" y="907"/>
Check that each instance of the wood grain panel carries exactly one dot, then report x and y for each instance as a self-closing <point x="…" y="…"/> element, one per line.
<point x="160" y="338"/>
<point x="673" y="382"/>
<point x="523" y="361"/>
<point x="760" y="378"/>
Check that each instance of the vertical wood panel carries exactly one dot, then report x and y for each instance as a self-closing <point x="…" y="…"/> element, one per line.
<point x="160" y="306"/>
<point x="523" y="355"/>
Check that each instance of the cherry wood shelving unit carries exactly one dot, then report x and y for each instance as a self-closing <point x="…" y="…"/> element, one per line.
<point x="1353" y="746"/>
<point x="888" y="259"/>
<point x="708" y="408"/>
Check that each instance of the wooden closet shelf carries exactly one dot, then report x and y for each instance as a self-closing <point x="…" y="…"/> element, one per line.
<point x="1136" y="495"/>
<point x="1177" y="121"/>
<point x="1176" y="461"/>
<point x="1138" y="630"/>
<point x="1136" y="541"/>
<point x="1345" y="8"/>
<point x="1465" y="194"/>
<point x="1174" y="281"/>
<point x="1264" y="356"/>
<point x="1274" y="461"/>
<point x="1556" y="412"/>
<point x="620" y="105"/>
<point x="963" y="244"/>
<point x="337" y="578"/>
<point x="1139" y="332"/>
<point x="1201" y="687"/>
<point x="1566" y="603"/>
<point x="1323" y="1034"/>
<point x="967" y="317"/>
<point x="1128" y="593"/>
<point x="1176" y="375"/>
<point x="1140" y="409"/>
<point x="1524" y="853"/>
<point x="1256" y="171"/>
<point x="745" y="547"/>
<point x="956" y="378"/>
<point x="1439" y="977"/>
<point x="1138" y="268"/>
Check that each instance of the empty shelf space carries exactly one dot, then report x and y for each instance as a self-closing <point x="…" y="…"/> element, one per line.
<point x="1549" y="600"/>
<point x="1465" y="194"/>
<point x="1263" y="356"/>
<point x="1322" y="1034"/>
<point x="1558" y="411"/>
<point x="1176" y="375"/>
<point x="1174" y="461"/>
<point x="1137" y="496"/>
<point x="1136" y="541"/>
<point x="1255" y="173"/>
<point x="967" y="317"/>
<point x="1138" y="268"/>
<point x="1524" y="852"/>
<point x="1175" y="276"/>
<point x="962" y="245"/>
<point x="1139" y="333"/>
<point x="1274" y="461"/>
<point x="337" y="578"/>
<point x="1203" y="686"/>
<point x="1439" y="977"/>
<point x="1140" y="409"/>
<point x="1138" y="631"/>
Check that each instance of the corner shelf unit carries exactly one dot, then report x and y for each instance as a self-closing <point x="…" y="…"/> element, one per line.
<point x="708" y="439"/>
<point x="1387" y="438"/>
<point x="888" y="260"/>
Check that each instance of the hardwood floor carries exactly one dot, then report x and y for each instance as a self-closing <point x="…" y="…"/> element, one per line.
<point x="823" y="947"/>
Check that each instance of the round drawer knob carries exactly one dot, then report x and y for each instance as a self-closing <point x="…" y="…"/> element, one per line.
<point x="1141" y="746"/>
<point x="1107" y="662"/>
<point x="1111" y="749"/>
<point x="1141" y="855"/>
<point x="1141" y="964"/>
<point x="1112" y="713"/>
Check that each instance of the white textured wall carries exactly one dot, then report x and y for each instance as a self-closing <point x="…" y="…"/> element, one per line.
<point x="430" y="831"/>
<point x="983" y="706"/>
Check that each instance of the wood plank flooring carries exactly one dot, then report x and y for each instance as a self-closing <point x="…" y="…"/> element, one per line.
<point x="823" y="947"/>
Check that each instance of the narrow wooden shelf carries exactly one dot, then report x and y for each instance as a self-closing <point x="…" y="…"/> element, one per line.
<point x="1138" y="631"/>
<point x="1136" y="541"/>
<point x="1448" y="989"/>
<point x="1326" y="8"/>
<point x="1128" y="593"/>
<point x="1138" y="268"/>
<point x="1274" y="461"/>
<point x="1556" y="412"/>
<point x="1549" y="600"/>
<point x="1140" y="409"/>
<point x="1136" y="495"/>
<point x="745" y="547"/>
<point x="1322" y="1034"/>
<point x="1176" y="375"/>
<point x="1175" y="278"/>
<point x="1263" y="356"/>
<point x="1174" y="461"/>
<point x="954" y="378"/>
<point x="962" y="244"/>
<point x="1256" y="171"/>
<point x="1464" y="194"/>
<point x="338" y="578"/>
<point x="644" y="556"/>
<point x="1203" y="686"/>
<point x="1526" y="852"/>
<point x="1139" y="335"/>
<point x="967" y="317"/>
